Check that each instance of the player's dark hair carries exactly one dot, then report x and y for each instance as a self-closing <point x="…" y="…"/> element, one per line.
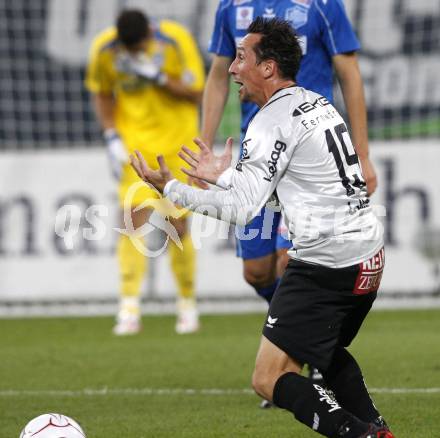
<point x="279" y="43"/>
<point x="132" y="26"/>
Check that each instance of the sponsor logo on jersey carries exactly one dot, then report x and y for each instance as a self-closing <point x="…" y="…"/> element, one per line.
<point x="278" y="148"/>
<point x="269" y="13"/>
<point x="241" y="2"/>
<point x="306" y="107"/>
<point x="297" y="16"/>
<point x="271" y="321"/>
<point x="370" y="274"/>
<point x="244" y="17"/>
<point x="244" y="155"/>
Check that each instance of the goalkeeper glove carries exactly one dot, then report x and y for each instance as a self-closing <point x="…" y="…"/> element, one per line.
<point x="141" y="66"/>
<point x="116" y="152"/>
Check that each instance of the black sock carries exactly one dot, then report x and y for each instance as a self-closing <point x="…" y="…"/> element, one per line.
<point x="315" y="408"/>
<point x="344" y="378"/>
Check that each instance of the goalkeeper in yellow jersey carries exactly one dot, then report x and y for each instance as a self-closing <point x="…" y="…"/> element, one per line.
<point x="147" y="79"/>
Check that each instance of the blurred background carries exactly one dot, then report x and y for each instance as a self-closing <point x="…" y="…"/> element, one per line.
<point x="58" y="260"/>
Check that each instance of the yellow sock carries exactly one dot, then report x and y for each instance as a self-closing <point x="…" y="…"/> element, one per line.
<point x="183" y="266"/>
<point x="132" y="265"/>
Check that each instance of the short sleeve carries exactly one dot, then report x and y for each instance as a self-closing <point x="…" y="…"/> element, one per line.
<point x="222" y="41"/>
<point x="337" y="32"/>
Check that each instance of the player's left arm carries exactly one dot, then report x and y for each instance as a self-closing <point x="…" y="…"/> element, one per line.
<point x="350" y="80"/>
<point x="342" y="44"/>
<point x="247" y="187"/>
<point x="189" y="85"/>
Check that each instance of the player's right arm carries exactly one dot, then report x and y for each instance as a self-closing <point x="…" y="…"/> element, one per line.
<point x="215" y="97"/>
<point x="104" y="105"/>
<point x="222" y="46"/>
<point x="100" y="84"/>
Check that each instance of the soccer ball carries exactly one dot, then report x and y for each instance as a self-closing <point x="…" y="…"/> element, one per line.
<point x="52" y="426"/>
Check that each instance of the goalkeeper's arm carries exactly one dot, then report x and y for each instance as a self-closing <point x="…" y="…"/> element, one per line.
<point x="104" y="108"/>
<point x="146" y="68"/>
<point x="180" y="89"/>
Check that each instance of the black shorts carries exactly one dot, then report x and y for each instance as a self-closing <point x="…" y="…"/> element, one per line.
<point x="315" y="308"/>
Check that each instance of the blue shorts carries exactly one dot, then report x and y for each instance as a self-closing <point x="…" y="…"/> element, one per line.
<point x="262" y="236"/>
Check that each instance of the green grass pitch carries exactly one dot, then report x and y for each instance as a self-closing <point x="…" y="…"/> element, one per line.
<point x="158" y="384"/>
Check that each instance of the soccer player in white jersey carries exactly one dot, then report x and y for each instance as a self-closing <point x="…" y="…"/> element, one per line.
<point x="298" y="149"/>
<point x="329" y="46"/>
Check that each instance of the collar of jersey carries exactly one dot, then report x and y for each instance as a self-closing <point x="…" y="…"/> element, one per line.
<point x="276" y="96"/>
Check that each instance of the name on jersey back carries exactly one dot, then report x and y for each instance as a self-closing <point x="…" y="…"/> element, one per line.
<point x="311" y="107"/>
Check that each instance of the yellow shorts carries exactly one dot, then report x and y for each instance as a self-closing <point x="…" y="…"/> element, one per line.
<point x="133" y="192"/>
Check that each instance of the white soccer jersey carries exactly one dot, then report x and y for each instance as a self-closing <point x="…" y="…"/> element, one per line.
<point x="298" y="148"/>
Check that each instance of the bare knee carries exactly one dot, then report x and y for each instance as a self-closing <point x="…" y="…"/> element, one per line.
<point x="263" y="383"/>
<point x="259" y="280"/>
<point x="270" y="365"/>
<point x="260" y="273"/>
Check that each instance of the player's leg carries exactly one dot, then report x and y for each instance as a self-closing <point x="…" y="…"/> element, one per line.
<point x="183" y="267"/>
<point x="277" y="377"/>
<point x="256" y="246"/>
<point x="344" y="376"/>
<point x="283" y="244"/>
<point x="261" y="274"/>
<point x="132" y="266"/>
<point x="305" y="321"/>
<point x="183" y="260"/>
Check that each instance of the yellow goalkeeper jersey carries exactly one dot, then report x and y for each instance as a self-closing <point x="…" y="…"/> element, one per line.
<point x="147" y="117"/>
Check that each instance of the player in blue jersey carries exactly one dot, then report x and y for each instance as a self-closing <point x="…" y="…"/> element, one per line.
<point x="328" y="43"/>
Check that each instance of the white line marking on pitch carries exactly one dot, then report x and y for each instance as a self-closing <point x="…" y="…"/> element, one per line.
<point x="177" y="391"/>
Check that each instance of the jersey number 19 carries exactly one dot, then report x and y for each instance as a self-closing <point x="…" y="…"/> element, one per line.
<point x="333" y="147"/>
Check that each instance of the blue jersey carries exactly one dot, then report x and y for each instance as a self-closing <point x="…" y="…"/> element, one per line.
<point x="322" y="25"/>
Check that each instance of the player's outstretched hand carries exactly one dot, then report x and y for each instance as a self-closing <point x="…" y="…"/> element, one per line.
<point x="157" y="178"/>
<point x="369" y="175"/>
<point x="204" y="165"/>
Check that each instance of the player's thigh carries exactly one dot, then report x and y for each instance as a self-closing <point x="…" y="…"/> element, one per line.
<point x="306" y="312"/>
<point x="133" y="192"/>
<point x="354" y="320"/>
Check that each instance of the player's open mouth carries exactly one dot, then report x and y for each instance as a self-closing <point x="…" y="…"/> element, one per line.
<point x="239" y="83"/>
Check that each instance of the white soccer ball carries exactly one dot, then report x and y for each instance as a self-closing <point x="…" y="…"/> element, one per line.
<point x="52" y="426"/>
